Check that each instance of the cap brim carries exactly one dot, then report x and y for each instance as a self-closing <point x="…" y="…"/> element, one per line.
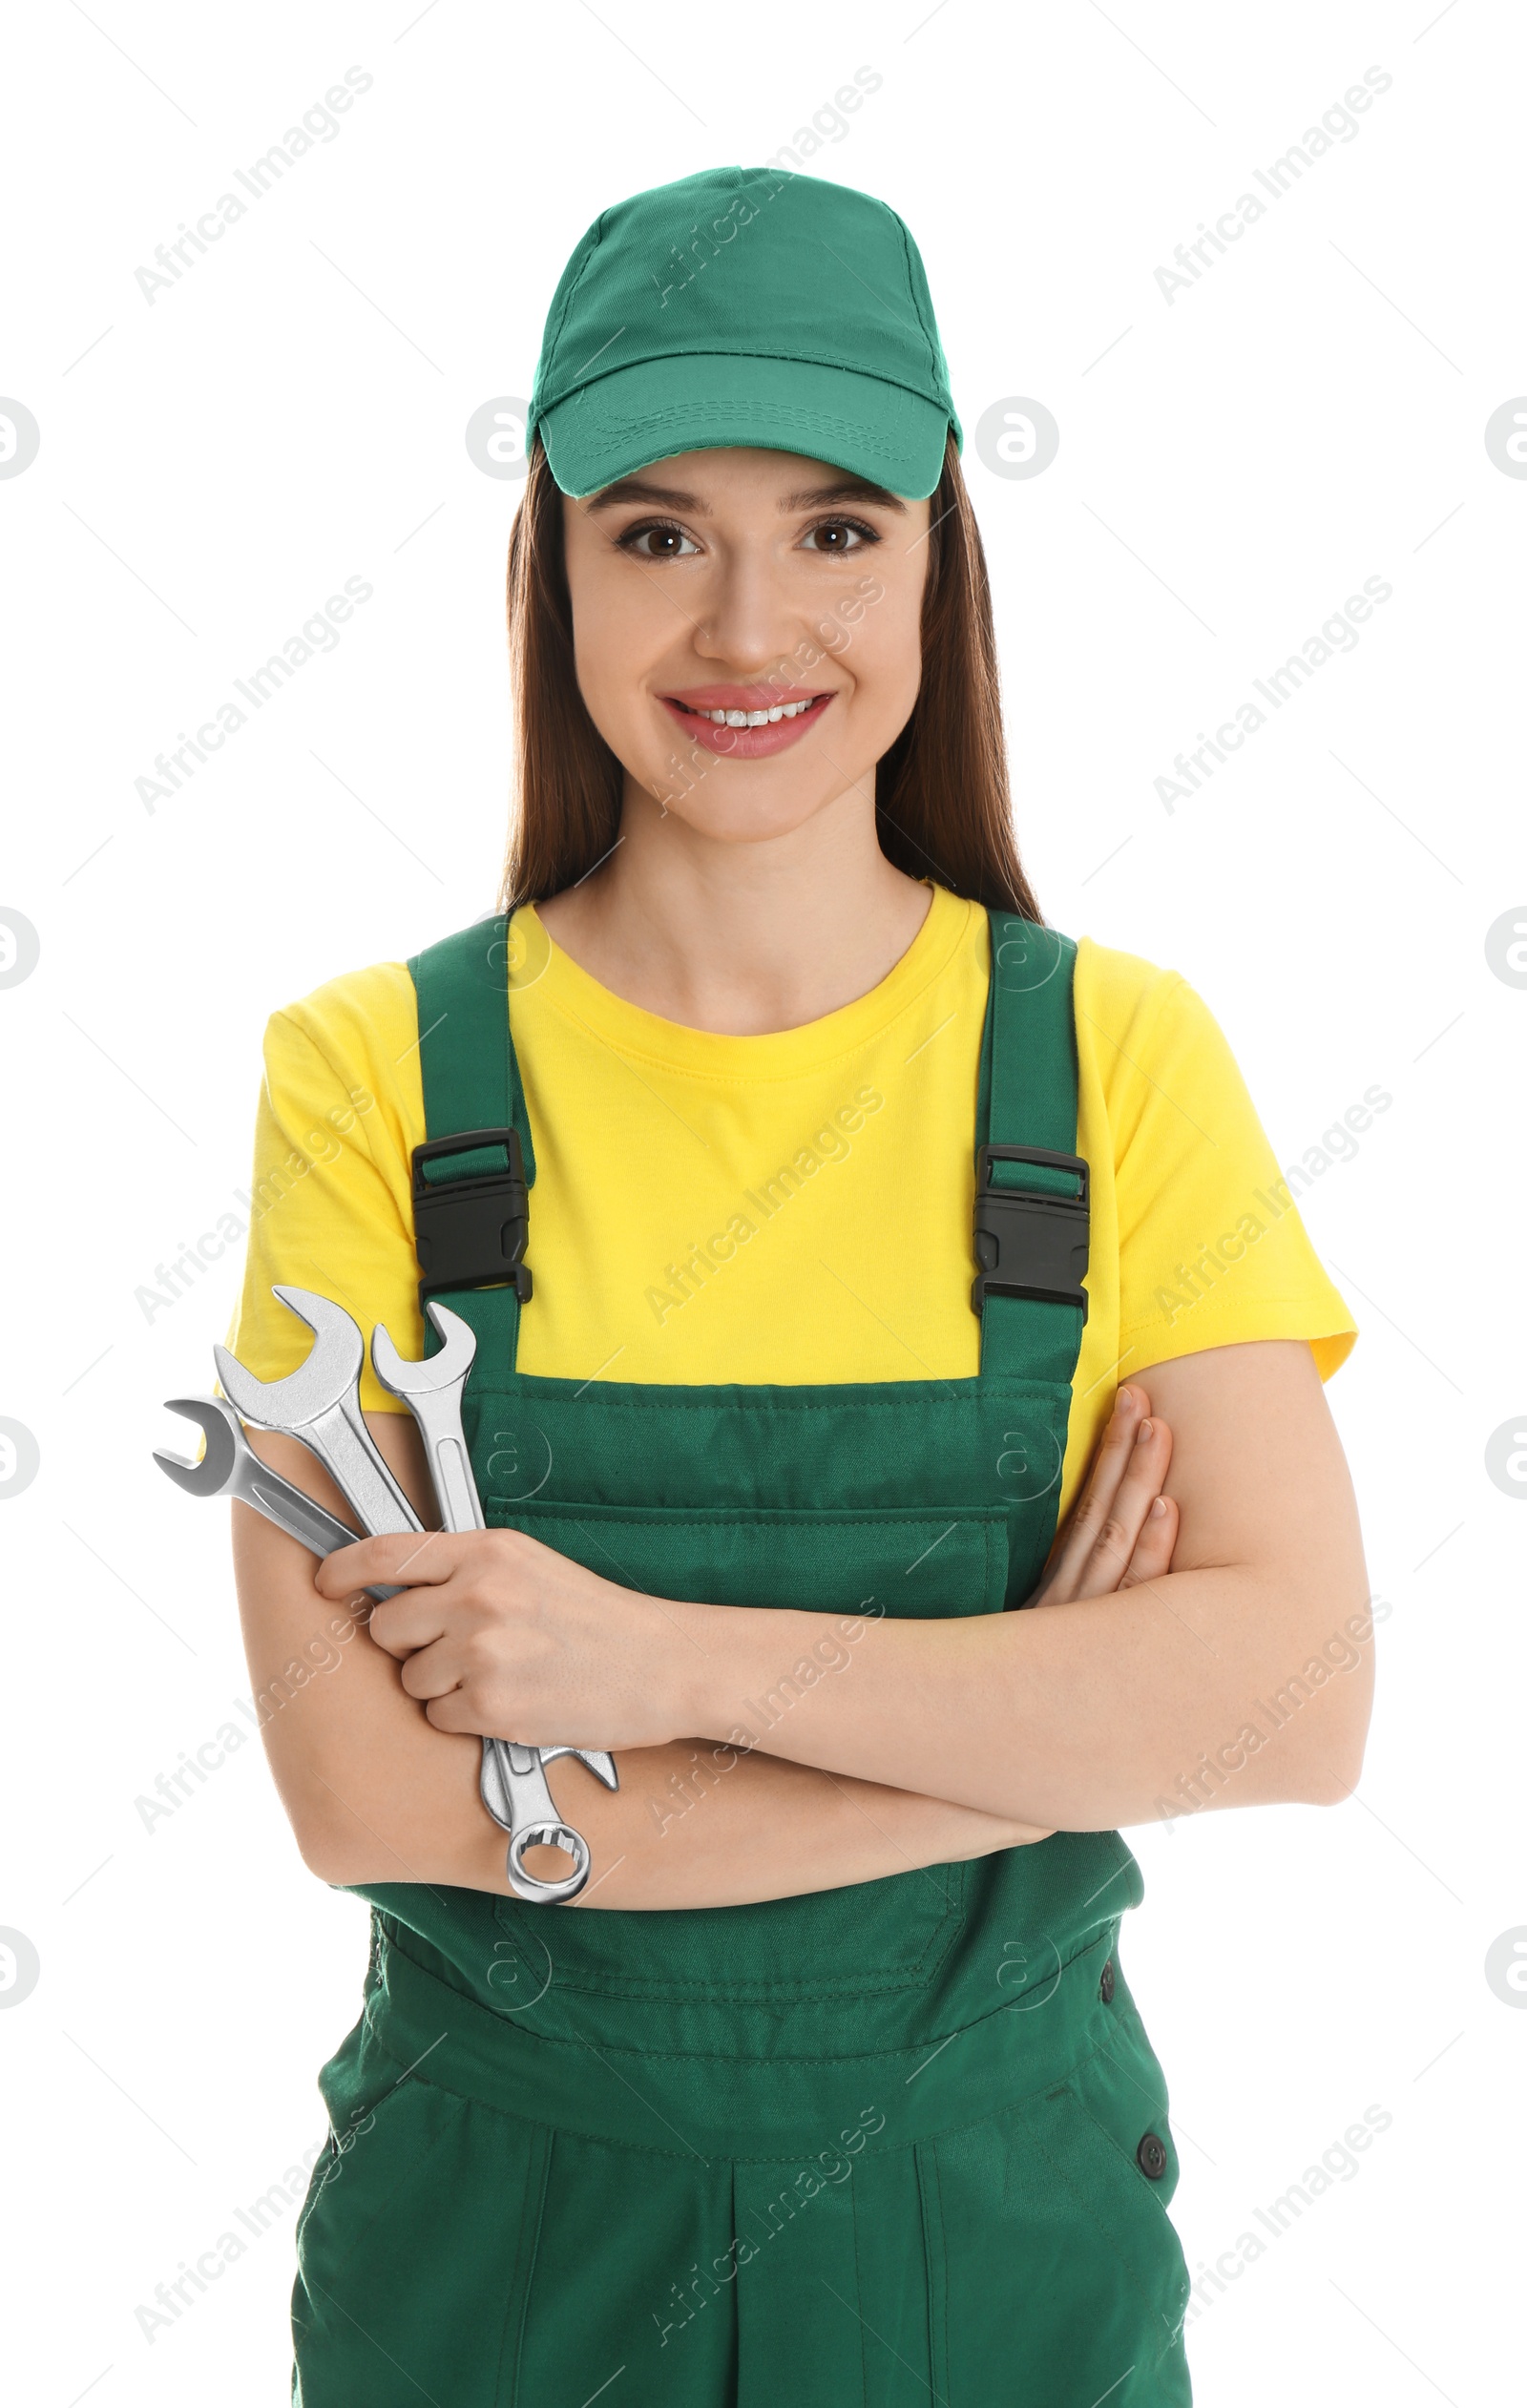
<point x="700" y="402"/>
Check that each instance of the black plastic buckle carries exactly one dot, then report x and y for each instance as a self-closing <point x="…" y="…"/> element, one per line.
<point x="472" y="1231"/>
<point x="1030" y="1245"/>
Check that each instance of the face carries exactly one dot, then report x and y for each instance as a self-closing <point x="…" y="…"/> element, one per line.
<point x="746" y="631"/>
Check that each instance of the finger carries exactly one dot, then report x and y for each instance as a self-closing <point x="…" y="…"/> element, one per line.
<point x="413" y="1619"/>
<point x="1152" y="1559"/>
<point x="453" y="1710"/>
<point x="434" y="1671"/>
<point x="1100" y="1487"/>
<point x="1143" y="1479"/>
<point x="399" y="1558"/>
<point x="1150" y="1459"/>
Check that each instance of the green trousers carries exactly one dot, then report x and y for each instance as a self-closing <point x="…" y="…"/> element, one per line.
<point x="900" y="2142"/>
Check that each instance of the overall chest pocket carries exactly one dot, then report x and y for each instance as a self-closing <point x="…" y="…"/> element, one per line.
<point x="854" y="1566"/>
<point x="917" y="1564"/>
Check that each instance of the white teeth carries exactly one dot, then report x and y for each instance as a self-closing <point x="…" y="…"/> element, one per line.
<point x="756" y="719"/>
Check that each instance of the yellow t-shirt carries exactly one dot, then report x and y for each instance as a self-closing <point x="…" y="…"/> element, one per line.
<point x="789" y="1208"/>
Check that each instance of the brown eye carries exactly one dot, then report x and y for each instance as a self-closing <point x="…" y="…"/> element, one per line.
<point x="839" y="537"/>
<point x="657" y="542"/>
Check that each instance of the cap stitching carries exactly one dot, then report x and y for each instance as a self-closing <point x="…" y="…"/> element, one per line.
<point x="917" y="307"/>
<point x="936" y="400"/>
<point x="592" y="238"/>
<point x="781" y="413"/>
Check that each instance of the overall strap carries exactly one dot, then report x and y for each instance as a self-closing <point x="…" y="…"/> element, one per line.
<point x="473" y="1174"/>
<point x="1031" y="1190"/>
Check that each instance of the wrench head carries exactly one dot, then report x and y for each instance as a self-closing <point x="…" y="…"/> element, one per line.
<point x="327" y="1376"/>
<point x="402" y="1377"/>
<point x="219" y="1427"/>
<point x="599" y="1761"/>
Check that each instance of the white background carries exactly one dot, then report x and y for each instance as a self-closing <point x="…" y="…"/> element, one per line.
<point x="1232" y="465"/>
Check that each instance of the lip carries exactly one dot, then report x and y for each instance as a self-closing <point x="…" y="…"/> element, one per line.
<point x="743" y="744"/>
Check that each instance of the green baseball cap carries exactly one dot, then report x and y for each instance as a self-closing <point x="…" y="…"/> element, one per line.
<point x="744" y="306"/>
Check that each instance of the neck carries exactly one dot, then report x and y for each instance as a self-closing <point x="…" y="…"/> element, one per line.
<point x="741" y="937"/>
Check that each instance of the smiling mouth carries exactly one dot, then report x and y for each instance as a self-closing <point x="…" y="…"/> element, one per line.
<point x="750" y="718"/>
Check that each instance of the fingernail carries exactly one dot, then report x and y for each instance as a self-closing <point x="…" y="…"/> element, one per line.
<point x="1158" y="1509"/>
<point x="1124" y="1401"/>
<point x="1142" y="1433"/>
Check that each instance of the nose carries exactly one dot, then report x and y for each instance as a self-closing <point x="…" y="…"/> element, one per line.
<point x="749" y="622"/>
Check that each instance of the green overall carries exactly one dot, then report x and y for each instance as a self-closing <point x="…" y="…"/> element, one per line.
<point x="878" y="2146"/>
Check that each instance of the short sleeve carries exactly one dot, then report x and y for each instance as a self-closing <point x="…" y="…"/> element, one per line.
<point x="340" y="1111"/>
<point x="1212" y="1248"/>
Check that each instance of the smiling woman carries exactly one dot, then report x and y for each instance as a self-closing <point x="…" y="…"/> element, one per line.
<point x="892" y="1601"/>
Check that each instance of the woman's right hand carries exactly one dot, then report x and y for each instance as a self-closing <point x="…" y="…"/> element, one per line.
<point x="1123" y="1528"/>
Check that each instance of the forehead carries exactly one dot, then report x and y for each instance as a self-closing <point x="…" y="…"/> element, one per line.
<point x="707" y="483"/>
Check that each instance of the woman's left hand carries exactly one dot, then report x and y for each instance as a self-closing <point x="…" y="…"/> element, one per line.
<point x="499" y="1635"/>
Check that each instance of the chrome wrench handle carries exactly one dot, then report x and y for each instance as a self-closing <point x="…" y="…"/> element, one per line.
<point x="342" y="1443"/>
<point x="449" y="1467"/>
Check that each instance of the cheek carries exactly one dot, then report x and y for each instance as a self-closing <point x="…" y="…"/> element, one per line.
<point x="614" y="643"/>
<point x="619" y="631"/>
<point x="884" y="657"/>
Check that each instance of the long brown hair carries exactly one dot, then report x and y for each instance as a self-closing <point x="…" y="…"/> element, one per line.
<point x="942" y="805"/>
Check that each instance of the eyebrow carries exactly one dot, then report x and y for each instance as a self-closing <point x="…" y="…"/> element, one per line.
<point x="636" y="488"/>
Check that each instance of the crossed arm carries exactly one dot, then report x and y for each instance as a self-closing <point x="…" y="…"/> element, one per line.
<point x="1215" y="1651"/>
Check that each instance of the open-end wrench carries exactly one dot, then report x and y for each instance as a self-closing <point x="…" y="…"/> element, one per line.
<point x="229" y="1467"/>
<point x="432" y="1392"/>
<point x="512" y="1783"/>
<point x="320" y="1404"/>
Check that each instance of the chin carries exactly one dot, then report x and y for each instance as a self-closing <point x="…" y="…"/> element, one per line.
<point x="744" y="821"/>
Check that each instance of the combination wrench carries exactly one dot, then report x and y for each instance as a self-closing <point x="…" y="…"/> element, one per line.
<point x="229" y="1467"/>
<point x="320" y="1404"/>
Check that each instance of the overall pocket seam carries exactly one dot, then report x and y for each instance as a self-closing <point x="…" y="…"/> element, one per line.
<point x="462" y="2104"/>
<point x="1117" y="2229"/>
<point x="915" y="1974"/>
<point x="526" y="2263"/>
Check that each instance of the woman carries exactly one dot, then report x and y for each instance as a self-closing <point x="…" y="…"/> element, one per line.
<point x="830" y="2084"/>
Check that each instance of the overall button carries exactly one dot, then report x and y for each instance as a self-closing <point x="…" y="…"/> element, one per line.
<point x="1151" y="2157"/>
<point x="1105" y="1987"/>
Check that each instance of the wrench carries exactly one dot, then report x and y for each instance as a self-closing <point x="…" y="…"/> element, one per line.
<point x="514" y="1785"/>
<point x="229" y="1467"/>
<point x="432" y="1389"/>
<point x="320" y="1404"/>
<point x="515" y="1791"/>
